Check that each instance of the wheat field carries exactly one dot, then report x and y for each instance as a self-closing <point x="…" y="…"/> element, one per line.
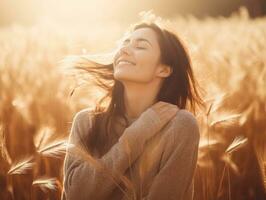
<point x="37" y="104"/>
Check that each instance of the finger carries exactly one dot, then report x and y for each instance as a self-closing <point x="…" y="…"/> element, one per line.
<point x="159" y="104"/>
<point x="166" y="108"/>
<point x="162" y="104"/>
<point x="168" y="115"/>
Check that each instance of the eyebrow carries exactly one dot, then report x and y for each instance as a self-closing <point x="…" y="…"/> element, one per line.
<point x="138" y="39"/>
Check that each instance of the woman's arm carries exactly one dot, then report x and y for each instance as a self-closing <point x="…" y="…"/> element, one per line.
<point x="82" y="180"/>
<point x="174" y="180"/>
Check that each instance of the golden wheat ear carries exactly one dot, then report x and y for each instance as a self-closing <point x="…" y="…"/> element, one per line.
<point x="55" y="148"/>
<point x="22" y="166"/>
<point x="46" y="184"/>
<point x="226" y="119"/>
<point x="237" y="143"/>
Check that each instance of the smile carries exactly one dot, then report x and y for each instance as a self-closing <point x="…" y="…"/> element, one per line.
<point x="125" y="62"/>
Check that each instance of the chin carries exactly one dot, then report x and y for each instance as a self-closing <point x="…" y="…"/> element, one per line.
<point x="122" y="78"/>
<point x="122" y="75"/>
<point x="125" y="77"/>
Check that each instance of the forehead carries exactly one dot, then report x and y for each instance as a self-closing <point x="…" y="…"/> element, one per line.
<point x="146" y="33"/>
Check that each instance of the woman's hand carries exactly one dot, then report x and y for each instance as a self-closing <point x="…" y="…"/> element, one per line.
<point x="154" y="118"/>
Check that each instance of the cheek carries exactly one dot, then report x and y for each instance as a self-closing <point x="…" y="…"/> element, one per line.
<point x="146" y="59"/>
<point x="146" y="66"/>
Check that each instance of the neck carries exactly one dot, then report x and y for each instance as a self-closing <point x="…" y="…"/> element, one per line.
<point x="139" y="97"/>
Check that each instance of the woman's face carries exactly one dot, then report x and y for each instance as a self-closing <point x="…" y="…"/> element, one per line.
<point x="137" y="60"/>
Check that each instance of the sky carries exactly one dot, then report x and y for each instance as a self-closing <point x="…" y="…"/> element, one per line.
<point x="28" y="12"/>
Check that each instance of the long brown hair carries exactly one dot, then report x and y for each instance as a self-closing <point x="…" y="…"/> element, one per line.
<point x="179" y="88"/>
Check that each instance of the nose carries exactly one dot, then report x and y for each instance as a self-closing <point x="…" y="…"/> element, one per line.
<point x="125" y="49"/>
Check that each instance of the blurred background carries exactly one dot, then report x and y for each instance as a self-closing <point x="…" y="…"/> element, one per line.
<point x="38" y="99"/>
<point x="86" y="12"/>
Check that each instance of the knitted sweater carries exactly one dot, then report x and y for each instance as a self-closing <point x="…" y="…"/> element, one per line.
<point x="159" y="168"/>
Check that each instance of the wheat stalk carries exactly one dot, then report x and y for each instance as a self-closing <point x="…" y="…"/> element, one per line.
<point x="22" y="166"/>
<point x="46" y="183"/>
<point x="237" y="143"/>
<point x="54" y="149"/>
<point x="42" y="136"/>
<point x="226" y="158"/>
<point x="3" y="150"/>
<point x="216" y="102"/>
<point x="226" y="120"/>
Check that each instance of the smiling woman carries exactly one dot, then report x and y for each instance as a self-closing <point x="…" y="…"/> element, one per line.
<point x="143" y="54"/>
<point x="144" y="144"/>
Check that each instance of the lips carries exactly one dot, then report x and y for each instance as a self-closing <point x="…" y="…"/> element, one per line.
<point x="125" y="61"/>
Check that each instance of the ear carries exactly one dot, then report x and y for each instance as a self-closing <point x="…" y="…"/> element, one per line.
<point x="164" y="71"/>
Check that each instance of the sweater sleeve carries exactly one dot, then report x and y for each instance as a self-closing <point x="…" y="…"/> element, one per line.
<point x="175" y="178"/>
<point x="82" y="180"/>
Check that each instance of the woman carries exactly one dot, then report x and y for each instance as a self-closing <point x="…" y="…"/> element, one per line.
<point x="144" y="144"/>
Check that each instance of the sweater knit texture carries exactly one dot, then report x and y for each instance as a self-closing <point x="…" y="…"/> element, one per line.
<point x="158" y="168"/>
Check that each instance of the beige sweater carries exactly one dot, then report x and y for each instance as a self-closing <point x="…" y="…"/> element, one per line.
<point x="160" y="168"/>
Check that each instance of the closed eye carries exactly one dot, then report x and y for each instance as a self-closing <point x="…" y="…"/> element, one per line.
<point x="140" y="48"/>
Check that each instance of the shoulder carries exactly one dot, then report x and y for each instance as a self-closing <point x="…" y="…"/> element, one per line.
<point x="83" y="114"/>
<point x="82" y="119"/>
<point x="185" y="124"/>
<point x="185" y="117"/>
